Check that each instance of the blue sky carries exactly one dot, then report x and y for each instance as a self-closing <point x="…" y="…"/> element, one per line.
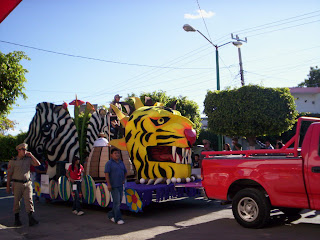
<point x="140" y="46"/>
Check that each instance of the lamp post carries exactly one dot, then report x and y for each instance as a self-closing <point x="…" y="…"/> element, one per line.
<point x="238" y="44"/>
<point x="189" y="28"/>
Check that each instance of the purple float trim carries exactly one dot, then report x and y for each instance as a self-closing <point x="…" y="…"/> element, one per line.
<point x="161" y="192"/>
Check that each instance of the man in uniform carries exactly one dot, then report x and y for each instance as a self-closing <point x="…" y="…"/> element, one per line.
<point x="19" y="173"/>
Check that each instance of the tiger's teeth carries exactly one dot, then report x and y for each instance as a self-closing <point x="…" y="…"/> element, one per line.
<point x="183" y="156"/>
<point x="189" y="157"/>
<point x="174" y="149"/>
<point x="177" y="158"/>
<point x="158" y="180"/>
<point x="168" y="181"/>
<point x="150" y="181"/>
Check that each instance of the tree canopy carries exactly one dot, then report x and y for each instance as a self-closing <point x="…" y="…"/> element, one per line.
<point x="187" y="108"/>
<point x="12" y="79"/>
<point x="250" y="111"/>
<point x="313" y="79"/>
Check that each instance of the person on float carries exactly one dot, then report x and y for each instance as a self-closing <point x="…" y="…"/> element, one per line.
<point x="74" y="174"/>
<point x="115" y="123"/>
<point x="101" y="141"/>
<point x="19" y="174"/>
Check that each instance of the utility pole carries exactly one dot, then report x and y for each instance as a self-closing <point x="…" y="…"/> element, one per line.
<point x="238" y="44"/>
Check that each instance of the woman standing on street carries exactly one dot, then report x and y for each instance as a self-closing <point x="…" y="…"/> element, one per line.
<point x="74" y="174"/>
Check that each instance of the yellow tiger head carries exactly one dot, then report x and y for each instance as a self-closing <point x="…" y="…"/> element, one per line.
<point x="158" y="140"/>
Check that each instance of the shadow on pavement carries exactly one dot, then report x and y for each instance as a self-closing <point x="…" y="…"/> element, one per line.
<point x="175" y="219"/>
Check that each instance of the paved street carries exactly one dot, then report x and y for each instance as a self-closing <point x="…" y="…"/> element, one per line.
<point x="180" y="219"/>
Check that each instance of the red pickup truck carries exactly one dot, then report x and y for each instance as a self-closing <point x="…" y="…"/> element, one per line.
<point x="258" y="181"/>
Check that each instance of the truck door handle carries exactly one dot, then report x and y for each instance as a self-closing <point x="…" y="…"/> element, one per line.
<point x="315" y="169"/>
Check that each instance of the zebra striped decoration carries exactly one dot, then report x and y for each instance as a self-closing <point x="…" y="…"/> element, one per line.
<point x="52" y="132"/>
<point x="97" y="123"/>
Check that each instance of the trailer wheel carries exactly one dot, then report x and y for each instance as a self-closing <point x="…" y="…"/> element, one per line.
<point x="251" y="208"/>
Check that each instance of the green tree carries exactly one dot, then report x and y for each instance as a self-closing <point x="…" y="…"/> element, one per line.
<point x="8" y="145"/>
<point x="313" y="79"/>
<point x="12" y="79"/>
<point x="6" y="124"/>
<point x="186" y="107"/>
<point x="250" y="111"/>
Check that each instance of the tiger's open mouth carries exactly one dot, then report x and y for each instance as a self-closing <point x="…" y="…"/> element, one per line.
<point x="169" y="154"/>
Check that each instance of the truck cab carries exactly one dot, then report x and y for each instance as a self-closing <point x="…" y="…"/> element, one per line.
<point x="257" y="181"/>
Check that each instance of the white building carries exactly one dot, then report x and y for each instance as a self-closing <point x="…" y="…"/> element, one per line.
<point x="307" y="99"/>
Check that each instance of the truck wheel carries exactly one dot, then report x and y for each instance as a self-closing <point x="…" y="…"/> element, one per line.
<point x="251" y="208"/>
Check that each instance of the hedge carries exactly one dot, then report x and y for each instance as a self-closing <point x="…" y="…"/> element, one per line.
<point x="8" y="145"/>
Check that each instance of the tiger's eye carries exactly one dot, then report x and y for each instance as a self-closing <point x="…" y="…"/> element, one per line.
<point x="160" y="121"/>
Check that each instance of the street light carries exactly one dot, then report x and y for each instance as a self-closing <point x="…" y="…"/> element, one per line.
<point x="189" y="28"/>
<point x="238" y="44"/>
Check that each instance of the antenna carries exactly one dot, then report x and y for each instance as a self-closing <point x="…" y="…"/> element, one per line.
<point x="238" y="39"/>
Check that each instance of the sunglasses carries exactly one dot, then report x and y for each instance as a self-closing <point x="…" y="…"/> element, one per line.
<point x="22" y="149"/>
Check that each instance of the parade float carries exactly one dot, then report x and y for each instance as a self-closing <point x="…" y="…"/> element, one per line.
<point x="155" y="147"/>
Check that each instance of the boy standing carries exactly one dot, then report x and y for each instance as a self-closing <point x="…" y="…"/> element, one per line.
<point x="115" y="174"/>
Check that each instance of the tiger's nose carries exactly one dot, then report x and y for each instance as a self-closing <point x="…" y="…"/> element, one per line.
<point x="191" y="135"/>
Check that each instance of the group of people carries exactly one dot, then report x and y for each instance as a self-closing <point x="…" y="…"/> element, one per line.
<point x="235" y="146"/>
<point x="115" y="174"/>
<point x="19" y="175"/>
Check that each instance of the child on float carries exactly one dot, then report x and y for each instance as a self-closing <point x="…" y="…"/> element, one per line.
<point x="74" y="174"/>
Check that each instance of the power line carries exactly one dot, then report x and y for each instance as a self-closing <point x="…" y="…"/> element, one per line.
<point x="283" y="28"/>
<point x="266" y="24"/>
<point x="204" y="20"/>
<point x="158" y="68"/>
<point x="95" y="59"/>
<point x="281" y="24"/>
<point x="282" y="20"/>
<point x="282" y="54"/>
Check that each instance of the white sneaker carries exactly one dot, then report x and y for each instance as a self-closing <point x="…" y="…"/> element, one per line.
<point x="75" y="212"/>
<point x="120" y="222"/>
<point x="80" y="213"/>
<point x="112" y="220"/>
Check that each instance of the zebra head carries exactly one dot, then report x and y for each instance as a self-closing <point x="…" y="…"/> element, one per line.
<point x="98" y="123"/>
<point x="53" y="134"/>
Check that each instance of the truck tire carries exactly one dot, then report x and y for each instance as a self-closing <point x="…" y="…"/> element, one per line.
<point x="251" y="208"/>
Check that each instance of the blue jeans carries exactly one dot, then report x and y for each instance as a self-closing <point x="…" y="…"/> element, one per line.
<point x="76" y="200"/>
<point x="115" y="212"/>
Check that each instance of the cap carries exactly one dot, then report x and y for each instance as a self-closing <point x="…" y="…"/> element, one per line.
<point x="102" y="134"/>
<point x="22" y="145"/>
<point x="117" y="95"/>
